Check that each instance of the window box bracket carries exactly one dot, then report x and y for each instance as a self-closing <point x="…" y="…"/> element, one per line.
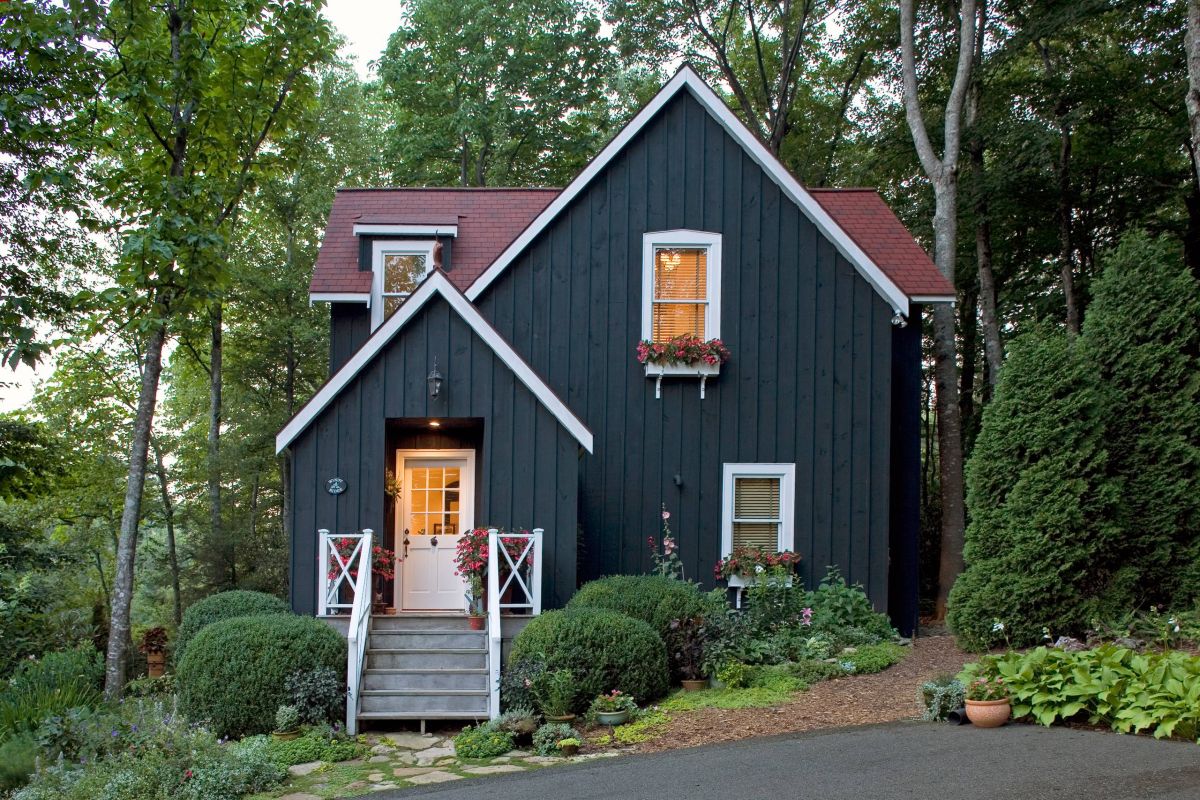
<point x="699" y="370"/>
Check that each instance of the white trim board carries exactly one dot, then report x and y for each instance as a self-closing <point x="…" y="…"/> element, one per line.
<point x="688" y="79"/>
<point x="367" y="229"/>
<point x="435" y="285"/>
<point x="787" y="500"/>
<point x="384" y="247"/>
<point x="339" y="297"/>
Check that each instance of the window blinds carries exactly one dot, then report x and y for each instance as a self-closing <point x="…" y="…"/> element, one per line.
<point x="756" y="515"/>
<point x="680" y="292"/>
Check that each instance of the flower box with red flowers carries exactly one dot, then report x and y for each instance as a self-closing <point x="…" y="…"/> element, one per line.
<point x="746" y="564"/>
<point x="682" y="356"/>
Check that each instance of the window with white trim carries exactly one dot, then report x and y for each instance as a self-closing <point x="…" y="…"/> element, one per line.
<point x="681" y="285"/>
<point x="397" y="267"/>
<point x="758" y="507"/>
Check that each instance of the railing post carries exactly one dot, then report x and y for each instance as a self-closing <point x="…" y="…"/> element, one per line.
<point x="536" y="588"/>
<point x="323" y="575"/>
<point x="360" y="629"/>
<point x="494" y="635"/>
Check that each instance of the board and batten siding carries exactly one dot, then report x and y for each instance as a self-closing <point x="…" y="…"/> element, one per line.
<point x="527" y="463"/>
<point x="809" y="380"/>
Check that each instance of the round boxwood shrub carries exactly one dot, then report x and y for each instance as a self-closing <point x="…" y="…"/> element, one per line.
<point x="234" y="674"/>
<point x="604" y="649"/>
<point x="225" y="605"/>
<point x="653" y="599"/>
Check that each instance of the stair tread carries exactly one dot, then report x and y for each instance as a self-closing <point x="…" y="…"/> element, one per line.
<point x="424" y="692"/>
<point x="426" y="650"/>
<point x="429" y="632"/>
<point x="426" y="671"/>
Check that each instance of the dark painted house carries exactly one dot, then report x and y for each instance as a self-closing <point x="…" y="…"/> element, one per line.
<point x="529" y="304"/>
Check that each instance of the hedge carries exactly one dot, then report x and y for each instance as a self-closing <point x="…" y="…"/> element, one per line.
<point x="225" y="605"/>
<point x="604" y="649"/>
<point x="654" y="599"/>
<point x="234" y="673"/>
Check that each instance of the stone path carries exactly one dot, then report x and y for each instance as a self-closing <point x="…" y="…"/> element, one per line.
<point x="397" y="760"/>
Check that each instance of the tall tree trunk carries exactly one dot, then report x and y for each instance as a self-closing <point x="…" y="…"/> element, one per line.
<point x="968" y="325"/>
<point x="122" y="595"/>
<point x="1191" y="41"/>
<point x="1063" y="213"/>
<point x="216" y="350"/>
<point x="169" y="519"/>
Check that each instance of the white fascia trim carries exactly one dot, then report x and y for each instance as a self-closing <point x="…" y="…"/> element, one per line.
<point x="339" y="297"/>
<point x="683" y="238"/>
<point x="434" y="285"/>
<point x="787" y="500"/>
<point x="934" y="298"/>
<point x="687" y="78"/>
<point x="378" y="250"/>
<point x="405" y="230"/>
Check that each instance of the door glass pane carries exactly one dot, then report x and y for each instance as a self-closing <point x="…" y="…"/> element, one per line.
<point x="434" y="501"/>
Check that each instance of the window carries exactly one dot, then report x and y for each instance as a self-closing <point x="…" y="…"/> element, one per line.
<point x="681" y="285"/>
<point x="398" y="267"/>
<point x="758" y="506"/>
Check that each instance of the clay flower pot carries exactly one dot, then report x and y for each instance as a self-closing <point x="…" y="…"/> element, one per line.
<point x="560" y="718"/>
<point x="694" y="686"/>
<point x="988" y="713"/>
<point x="477" y="622"/>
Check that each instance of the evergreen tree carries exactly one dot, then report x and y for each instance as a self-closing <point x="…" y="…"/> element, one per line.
<point x="1142" y="336"/>
<point x="1043" y="546"/>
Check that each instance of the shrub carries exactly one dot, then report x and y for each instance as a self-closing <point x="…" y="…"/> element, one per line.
<point x="520" y="722"/>
<point x="317" y="744"/>
<point x="1042" y="548"/>
<point x="844" y="612"/>
<point x="810" y="671"/>
<point x="18" y="759"/>
<point x="518" y="680"/>
<point x="222" y="606"/>
<point x="49" y="686"/>
<point x="287" y="719"/>
<point x="319" y="695"/>
<point x="603" y="649"/>
<point x="234" y="672"/>
<point x="941" y="696"/>
<point x="554" y="691"/>
<point x="1127" y="691"/>
<point x="654" y="599"/>
<point x="547" y="737"/>
<point x="874" y="657"/>
<point x="735" y="675"/>
<point x="482" y="741"/>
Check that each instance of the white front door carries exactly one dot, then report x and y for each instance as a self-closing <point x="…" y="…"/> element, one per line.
<point x="434" y="509"/>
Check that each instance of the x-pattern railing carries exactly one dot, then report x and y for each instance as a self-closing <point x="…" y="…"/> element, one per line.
<point x="526" y="570"/>
<point x="338" y="570"/>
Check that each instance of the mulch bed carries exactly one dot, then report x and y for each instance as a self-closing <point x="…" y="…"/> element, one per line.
<point x="886" y="696"/>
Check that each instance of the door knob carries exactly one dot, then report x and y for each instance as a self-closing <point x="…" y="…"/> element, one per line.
<point x="433" y="542"/>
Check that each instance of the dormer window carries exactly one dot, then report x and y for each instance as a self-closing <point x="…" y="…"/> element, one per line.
<point x="681" y="285"/>
<point x="397" y="267"/>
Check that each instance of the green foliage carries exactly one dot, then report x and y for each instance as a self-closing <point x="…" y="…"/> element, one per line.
<point x="225" y="605"/>
<point x="1042" y="548"/>
<point x="845" y="613"/>
<point x="316" y="744"/>
<point x="18" y="758"/>
<point x="1142" y="335"/>
<point x="318" y="695"/>
<point x="287" y="719"/>
<point x="234" y="672"/>
<point x="604" y="650"/>
<point x="517" y="682"/>
<point x="547" y="737"/>
<point x="647" y="726"/>
<point x="1128" y="691"/>
<point x="941" y="696"/>
<point x="810" y="671"/>
<point x="482" y="741"/>
<point x="654" y="599"/>
<point x="735" y="675"/>
<point x="554" y="691"/>
<point x="47" y="687"/>
<point x="873" y="658"/>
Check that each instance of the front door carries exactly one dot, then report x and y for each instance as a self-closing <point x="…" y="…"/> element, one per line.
<point x="434" y="509"/>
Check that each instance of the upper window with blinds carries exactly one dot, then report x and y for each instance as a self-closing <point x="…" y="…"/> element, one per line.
<point x="758" y="502"/>
<point x="681" y="285"/>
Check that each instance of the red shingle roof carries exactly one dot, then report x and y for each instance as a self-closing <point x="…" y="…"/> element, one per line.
<point x="873" y="226"/>
<point x="489" y="219"/>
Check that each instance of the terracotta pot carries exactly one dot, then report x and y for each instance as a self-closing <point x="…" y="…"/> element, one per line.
<point x="477" y="623"/>
<point x="569" y="749"/>
<point x="988" y="713"/>
<point x="694" y="686"/>
<point x="156" y="664"/>
<point x="563" y="718"/>
<point x="285" y="736"/>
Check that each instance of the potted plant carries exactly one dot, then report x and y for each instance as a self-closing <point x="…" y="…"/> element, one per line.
<point x="287" y="723"/>
<point x="383" y="568"/>
<point x="475" y="616"/>
<point x="685" y="643"/>
<point x="569" y="746"/>
<point x="988" y="704"/>
<point x="154" y="646"/>
<point x="613" y="708"/>
<point x="554" y="691"/>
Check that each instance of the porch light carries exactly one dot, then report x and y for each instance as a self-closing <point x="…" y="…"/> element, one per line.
<point x="433" y="423"/>
<point x="434" y="379"/>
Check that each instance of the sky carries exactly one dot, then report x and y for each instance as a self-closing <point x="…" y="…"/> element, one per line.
<point x="366" y="25"/>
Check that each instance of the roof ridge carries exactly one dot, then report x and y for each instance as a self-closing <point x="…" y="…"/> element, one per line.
<point x="831" y="189"/>
<point x="555" y="189"/>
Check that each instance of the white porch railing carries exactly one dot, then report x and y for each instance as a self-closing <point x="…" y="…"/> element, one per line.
<point x="524" y="572"/>
<point x="354" y="570"/>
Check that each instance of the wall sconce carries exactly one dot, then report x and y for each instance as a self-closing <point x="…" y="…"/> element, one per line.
<point x="434" y="379"/>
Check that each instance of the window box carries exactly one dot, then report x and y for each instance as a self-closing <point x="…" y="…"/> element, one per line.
<point x="699" y="370"/>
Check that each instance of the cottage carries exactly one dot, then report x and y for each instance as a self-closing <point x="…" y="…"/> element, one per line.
<point x="484" y="370"/>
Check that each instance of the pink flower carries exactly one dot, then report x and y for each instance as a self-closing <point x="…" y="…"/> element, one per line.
<point x="666" y="514"/>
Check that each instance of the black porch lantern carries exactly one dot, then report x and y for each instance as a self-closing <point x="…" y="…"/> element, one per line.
<point x="434" y="379"/>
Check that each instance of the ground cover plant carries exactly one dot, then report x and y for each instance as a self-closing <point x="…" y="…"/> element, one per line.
<point x="1128" y="691"/>
<point x="482" y="741"/>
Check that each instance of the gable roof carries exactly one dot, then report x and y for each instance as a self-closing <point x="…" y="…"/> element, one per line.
<point x="437" y="284"/>
<point x="869" y="220"/>
<point x="686" y="79"/>
<point x="486" y="219"/>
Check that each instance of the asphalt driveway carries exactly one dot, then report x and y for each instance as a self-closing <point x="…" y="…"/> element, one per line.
<point x="899" y="760"/>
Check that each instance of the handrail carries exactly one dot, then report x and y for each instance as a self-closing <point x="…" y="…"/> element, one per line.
<point x="530" y="584"/>
<point x="360" y="629"/>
